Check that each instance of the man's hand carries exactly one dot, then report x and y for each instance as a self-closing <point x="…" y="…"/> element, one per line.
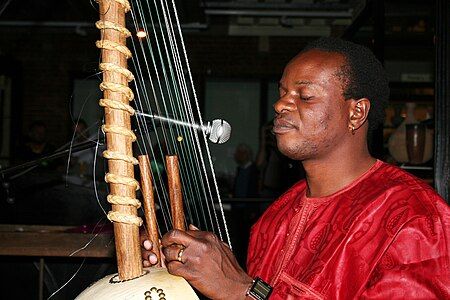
<point x="206" y="263"/>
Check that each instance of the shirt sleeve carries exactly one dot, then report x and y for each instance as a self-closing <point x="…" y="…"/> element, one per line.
<point x="415" y="265"/>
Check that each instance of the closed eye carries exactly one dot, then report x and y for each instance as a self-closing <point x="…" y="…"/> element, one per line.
<point x="306" y="98"/>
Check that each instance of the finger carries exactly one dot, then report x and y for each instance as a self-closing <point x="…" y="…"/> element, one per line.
<point x="163" y="261"/>
<point x="178" y="269"/>
<point x="192" y="227"/>
<point x="201" y="236"/>
<point x="147" y="245"/>
<point x="146" y="263"/>
<point x="145" y="254"/>
<point x="143" y="236"/>
<point x="149" y="258"/>
<point x="176" y="237"/>
<point x="152" y="258"/>
<point x="174" y="253"/>
<point x="226" y="245"/>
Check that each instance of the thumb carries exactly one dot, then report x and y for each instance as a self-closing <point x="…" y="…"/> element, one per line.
<point x="192" y="227"/>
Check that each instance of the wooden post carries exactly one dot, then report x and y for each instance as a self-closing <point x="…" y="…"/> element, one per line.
<point x="175" y="194"/>
<point x="126" y="235"/>
<point x="148" y="200"/>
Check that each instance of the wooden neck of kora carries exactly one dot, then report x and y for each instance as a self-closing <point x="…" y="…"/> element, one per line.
<point x="119" y="136"/>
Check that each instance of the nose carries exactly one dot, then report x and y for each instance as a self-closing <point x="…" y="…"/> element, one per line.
<point x="284" y="104"/>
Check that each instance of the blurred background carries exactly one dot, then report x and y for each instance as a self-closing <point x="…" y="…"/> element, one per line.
<point x="237" y="50"/>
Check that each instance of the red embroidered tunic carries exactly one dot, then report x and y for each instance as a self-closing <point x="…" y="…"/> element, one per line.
<point x="385" y="236"/>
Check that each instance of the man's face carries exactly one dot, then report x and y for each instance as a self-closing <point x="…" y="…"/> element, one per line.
<point x="38" y="134"/>
<point x="241" y="156"/>
<point x="311" y="114"/>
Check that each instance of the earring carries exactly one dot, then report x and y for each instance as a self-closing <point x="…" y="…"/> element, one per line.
<point x="352" y="128"/>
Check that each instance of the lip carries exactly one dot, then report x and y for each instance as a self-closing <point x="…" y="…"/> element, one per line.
<point x="281" y="126"/>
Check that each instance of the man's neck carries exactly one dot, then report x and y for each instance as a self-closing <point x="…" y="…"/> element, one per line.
<point x="327" y="176"/>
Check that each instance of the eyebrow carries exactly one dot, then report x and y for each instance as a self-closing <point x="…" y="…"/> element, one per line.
<point x="301" y="82"/>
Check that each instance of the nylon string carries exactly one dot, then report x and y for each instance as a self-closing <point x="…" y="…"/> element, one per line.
<point x="164" y="87"/>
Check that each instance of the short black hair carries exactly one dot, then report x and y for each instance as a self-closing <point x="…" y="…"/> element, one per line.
<point x="363" y="75"/>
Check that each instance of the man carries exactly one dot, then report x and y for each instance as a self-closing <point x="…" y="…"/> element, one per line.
<point x="246" y="179"/>
<point x="356" y="227"/>
<point x="37" y="145"/>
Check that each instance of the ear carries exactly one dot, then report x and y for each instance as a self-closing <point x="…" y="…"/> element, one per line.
<point x="358" y="113"/>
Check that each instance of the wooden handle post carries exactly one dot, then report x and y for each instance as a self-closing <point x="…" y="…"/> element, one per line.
<point x="175" y="194"/>
<point x="119" y="136"/>
<point x="148" y="200"/>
